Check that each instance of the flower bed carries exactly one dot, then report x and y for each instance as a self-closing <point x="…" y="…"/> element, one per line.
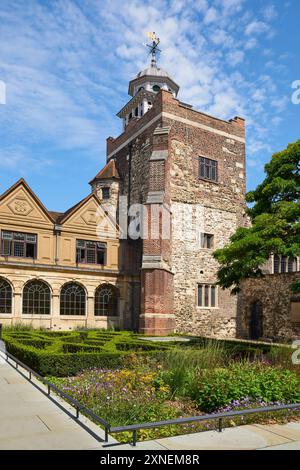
<point x="144" y="391"/>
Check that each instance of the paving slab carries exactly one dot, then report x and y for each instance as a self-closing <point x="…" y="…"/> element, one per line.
<point x="289" y="446"/>
<point x="29" y="420"/>
<point x="240" y="438"/>
<point x="290" y="431"/>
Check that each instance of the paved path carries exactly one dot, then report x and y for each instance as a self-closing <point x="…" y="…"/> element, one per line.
<point x="29" y="420"/>
<point x="248" y="437"/>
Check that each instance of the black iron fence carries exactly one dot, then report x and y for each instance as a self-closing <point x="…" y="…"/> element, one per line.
<point x="134" y="428"/>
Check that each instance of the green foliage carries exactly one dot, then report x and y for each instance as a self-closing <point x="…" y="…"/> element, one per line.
<point x="121" y="397"/>
<point x="275" y="228"/>
<point x="66" y="353"/>
<point x="216" y="388"/>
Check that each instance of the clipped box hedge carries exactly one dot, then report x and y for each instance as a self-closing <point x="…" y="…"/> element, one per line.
<point x="63" y="354"/>
<point x="63" y="364"/>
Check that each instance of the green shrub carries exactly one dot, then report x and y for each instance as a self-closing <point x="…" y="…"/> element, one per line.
<point x="36" y="343"/>
<point x="74" y="357"/>
<point x="134" y="346"/>
<point x="75" y="347"/>
<point x="212" y="389"/>
<point x="62" y="365"/>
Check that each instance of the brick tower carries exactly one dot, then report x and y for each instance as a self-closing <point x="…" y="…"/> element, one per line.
<point x="187" y="170"/>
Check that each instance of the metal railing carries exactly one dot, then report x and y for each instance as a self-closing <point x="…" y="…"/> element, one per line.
<point x="136" y="427"/>
<point x="215" y="416"/>
<point x="50" y="386"/>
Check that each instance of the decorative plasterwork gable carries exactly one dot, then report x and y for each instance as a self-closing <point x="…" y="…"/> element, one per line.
<point x="91" y="219"/>
<point x="19" y="204"/>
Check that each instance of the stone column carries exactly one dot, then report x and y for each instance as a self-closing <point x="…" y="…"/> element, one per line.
<point x="90" y="318"/>
<point x="17" y="312"/>
<point x="55" y="313"/>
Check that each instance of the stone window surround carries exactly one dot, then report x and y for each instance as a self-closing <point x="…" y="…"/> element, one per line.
<point x="206" y="161"/>
<point x="203" y="283"/>
<point x="213" y="242"/>
<point x="297" y="264"/>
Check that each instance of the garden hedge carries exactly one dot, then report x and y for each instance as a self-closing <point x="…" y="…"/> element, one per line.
<point x="66" y="353"/>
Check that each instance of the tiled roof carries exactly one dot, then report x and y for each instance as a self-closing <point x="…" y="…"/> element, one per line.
<point x="56" y="216"/>
<point x="108" y="172"/>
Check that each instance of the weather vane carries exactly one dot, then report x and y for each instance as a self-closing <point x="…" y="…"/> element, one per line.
<point x="154" y="46"/>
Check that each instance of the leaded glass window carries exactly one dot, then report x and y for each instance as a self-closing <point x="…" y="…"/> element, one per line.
<point x="72" y="299"/>
<point x="36" y="298"/>
<point x="106" y="301"/>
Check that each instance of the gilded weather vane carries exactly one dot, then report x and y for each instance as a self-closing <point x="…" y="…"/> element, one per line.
<point x="154" y="46"/>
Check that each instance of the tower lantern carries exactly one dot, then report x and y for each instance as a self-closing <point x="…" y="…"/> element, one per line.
<point x="146" y="85"/>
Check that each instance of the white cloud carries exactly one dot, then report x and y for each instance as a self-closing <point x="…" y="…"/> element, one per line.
<point x="211" y="16"/>
<point x="250" y="43"/>
<point x="270" y="13"/>
<point x="231" y="7"/>
<point x="235" y="57"/>
<point x="256" y="27"/>
<point x="280" y="104"/>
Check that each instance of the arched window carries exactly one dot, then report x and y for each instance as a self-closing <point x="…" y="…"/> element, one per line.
<point x="106" y="301"/>
<point x="256" y="320"/>
<point x="36" y="298"/>
<point x="283" y="264"/>
<point x="72" y="299"/>
<point x="5" y="296"/>
<point x="276" y="264"/>
<point x="292" y="264"/>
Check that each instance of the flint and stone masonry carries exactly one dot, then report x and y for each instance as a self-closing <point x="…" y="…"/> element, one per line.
<point x="157" y="159"/>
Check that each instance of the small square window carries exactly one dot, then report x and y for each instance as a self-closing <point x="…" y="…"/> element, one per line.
<point x="208" y="169"/>
<point x="206" y="240"/>
<point x="105" y="193"/>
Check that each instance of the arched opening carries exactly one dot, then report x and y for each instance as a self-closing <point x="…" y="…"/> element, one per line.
<point x="36" y="298"/>
<point x="276" y="264"/>
<point x="72" y="299"/>
<point x="292" y="264"/>
<point x="256" y="320"/>
<point x="106" y="301"/>
<point x="5" y="296"/>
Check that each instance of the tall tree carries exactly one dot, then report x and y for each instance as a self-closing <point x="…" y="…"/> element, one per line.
<point x="275" y="223"/>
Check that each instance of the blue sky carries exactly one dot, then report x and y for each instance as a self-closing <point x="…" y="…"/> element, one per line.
<point x="66" y="65"/>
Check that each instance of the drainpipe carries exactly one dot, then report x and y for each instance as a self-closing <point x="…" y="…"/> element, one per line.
<point x="129" y="175"/>
<point x="57" y="231"/>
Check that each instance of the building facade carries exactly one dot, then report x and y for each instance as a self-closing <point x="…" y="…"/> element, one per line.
<point x="58" y="270"/>
<point x="267" y="307"/>
<point x="185" y="173"/>
<point x="172" y="191"/>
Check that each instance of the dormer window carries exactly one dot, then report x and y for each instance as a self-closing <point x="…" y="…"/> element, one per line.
<point x="105" y="193"/>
